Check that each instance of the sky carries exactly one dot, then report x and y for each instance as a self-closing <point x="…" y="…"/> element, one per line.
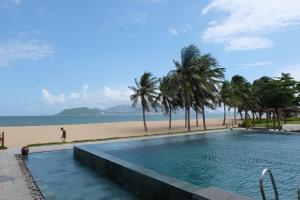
<point x="60" y="54"/>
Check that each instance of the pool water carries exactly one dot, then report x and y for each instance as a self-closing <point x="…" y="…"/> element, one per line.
<point x="229" y="160"/>
<point x="60" y="177"/>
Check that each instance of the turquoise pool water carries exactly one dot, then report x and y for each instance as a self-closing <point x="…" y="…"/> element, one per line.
<point x="60" y="177"/>
<point x="232" y="161"/>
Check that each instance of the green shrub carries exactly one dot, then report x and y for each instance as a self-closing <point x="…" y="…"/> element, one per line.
<point x="260" y="121"/>
<point x="247" y="123"/>
<point x="292" y="119"/>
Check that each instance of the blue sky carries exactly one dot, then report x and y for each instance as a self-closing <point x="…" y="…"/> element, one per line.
<point x="60" y="54"/>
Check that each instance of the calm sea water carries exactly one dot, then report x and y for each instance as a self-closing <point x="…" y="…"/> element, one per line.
<point x="60" y="120"/>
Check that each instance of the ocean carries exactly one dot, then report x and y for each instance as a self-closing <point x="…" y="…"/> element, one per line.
<point x="8" y="121"/>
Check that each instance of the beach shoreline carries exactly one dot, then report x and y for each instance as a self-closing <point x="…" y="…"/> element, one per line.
<point x="19" y="136"/>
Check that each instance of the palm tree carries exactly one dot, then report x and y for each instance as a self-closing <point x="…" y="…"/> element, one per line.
<point x="196" y="80"/>
<point x="243" y="98"/>
<point x="145" y="91"/>
<point x="197" y="110"/>
<point x="168" y="101"/>
<point x="207" y="83"/>
<point x="181" y="79"/>
<point x="238" y="94"/>
<point x="225" y="95"/>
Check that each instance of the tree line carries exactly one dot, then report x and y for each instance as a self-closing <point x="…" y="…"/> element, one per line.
<point x="197" y="83"/>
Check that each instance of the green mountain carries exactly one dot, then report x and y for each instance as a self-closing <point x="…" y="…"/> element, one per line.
<point x="123" y="109"/>
<point x="83" y="111"/>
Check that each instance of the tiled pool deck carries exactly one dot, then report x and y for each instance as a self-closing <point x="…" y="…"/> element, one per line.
<point x="12" y="182"/>
<point x="13" y="185"/>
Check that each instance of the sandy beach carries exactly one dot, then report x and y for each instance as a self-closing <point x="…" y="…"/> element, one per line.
<point x="25" y="135"/>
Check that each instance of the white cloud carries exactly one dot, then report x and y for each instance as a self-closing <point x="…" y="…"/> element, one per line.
<point x="81" y="95"/>
<point x="85" y="97"/>
<point x="255" y="64"/>
<point x="52" y="99"/>
<point x="173" y="31"/>
<point x="247" y="23"/>
<point x="247" y="43"/>
<point x="21" y="48"/>
<point x="117" y="94"/>
<point x="74" y="95"/>
<point x="181" y="29"/>
<point x="294" y="70"/>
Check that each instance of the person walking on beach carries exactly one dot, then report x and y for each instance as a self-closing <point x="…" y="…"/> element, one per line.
<point x="64" y="134"/>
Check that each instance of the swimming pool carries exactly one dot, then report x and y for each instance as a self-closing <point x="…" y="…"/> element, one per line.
<point x="231" y="160"/>
<point x="60" y="177"/>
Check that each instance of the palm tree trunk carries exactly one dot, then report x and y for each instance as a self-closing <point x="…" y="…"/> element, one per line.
<point x="197" y="119"/>
<point x="241" y="115"/>
<point x="235" y="115"/>
<point x="274" y="120"/>
<point x="260" y="115"/>
<point x="170" y="119"/>
<point x="185" y="117"/>
<point x="144" y="119"/>
<point x="246" y="119"/>
<point x="189" y="121"/>
<point x="224" y="114"/>
<point x="203" y="118"/>
<point x="277" y="115"/>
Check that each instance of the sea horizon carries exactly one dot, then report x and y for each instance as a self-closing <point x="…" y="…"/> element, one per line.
<point x="45" y="120"/>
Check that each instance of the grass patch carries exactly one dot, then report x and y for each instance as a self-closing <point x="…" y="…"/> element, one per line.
<point x="45" y="144"/>
<point x="293" y="122"/>
<point x="114" y="138"/>
<point x="262" y="123"/>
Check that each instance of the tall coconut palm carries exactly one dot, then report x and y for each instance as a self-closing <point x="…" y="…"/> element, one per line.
<point x="225" y="95"/>
<point x="197" y="109"/>
<point x="242" y="98"/>
<point x="207" y="83"/>
<point x="181" y="79"/>
<point x="196" y="79"/>
<point x="237" y="97"/>
<point x="167" y="99"/>
<point x="145" y="90"/>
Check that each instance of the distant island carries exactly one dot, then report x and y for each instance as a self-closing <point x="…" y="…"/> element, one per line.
<point x="85" y="111"/>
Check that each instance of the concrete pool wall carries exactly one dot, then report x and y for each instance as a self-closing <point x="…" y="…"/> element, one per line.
<point x="146" y="183"/>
